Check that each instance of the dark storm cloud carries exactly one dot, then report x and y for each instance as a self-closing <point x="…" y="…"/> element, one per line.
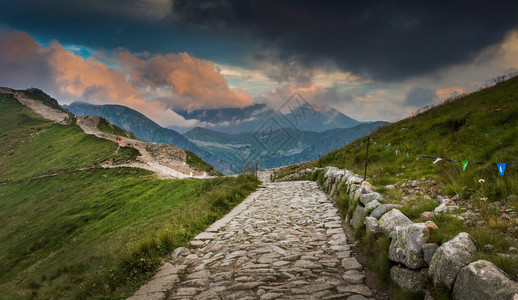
<point x="420" y="97"/>
<point x="386" y="40"/>
<point x="138" y="25"/>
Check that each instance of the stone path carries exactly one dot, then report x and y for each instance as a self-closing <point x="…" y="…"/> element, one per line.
<point x="285" y="241"/>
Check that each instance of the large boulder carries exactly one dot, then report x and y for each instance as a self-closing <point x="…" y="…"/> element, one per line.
<point x="338" y="175"/>
<point x="347" y="175"/>
<point x="451" y="257"/>
<point x="382" y="209"/>
<point x="483" y="280"/>
<point x="372" y="206"/>
<point x="354" y="180"/>
<point x="367" y="187"/>
<point x="330" y="171"/>
<point x="413" y="280"/>
<point x="358" y="217"/>
<point x="389" y="221"/>
<point x="352" y="190"/>
<point x="429" y="250"/>
<point x="371" y="225"/>
<point x="366" y="198"/>
<point x="407" y="245"/>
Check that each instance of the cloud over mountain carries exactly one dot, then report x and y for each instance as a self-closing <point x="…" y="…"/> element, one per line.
<point x="150" y="84"/>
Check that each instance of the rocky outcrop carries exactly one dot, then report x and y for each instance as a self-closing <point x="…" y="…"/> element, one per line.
<point x="450" y="257"/>
<point x="483" y="280"/>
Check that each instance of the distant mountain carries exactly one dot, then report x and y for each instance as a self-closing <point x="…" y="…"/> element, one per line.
<point x="228" y="152"/>
<point x="293" y="146"/>
<point x="300" y="116"/>
<point x="147" y="130"/>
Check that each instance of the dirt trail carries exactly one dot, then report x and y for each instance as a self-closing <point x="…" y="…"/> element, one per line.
<point x="40" y="108"/>
<point x="166" y="160"/>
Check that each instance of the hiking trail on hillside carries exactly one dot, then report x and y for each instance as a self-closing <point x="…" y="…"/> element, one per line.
<point x="164" y="159"/>
<point x="167" y="161"/>
<point x="285" y="241"/>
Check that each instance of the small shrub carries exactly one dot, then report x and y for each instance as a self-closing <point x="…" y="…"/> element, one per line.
<point x="320" y="178"/>
<point x="449" y="227"/>
<point x="414" y="209"/>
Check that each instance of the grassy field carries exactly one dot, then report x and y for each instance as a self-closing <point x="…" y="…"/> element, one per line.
<point x="33" y="146"/>
<point x="480" y="127"/>
<point x="105" y="126"/>
<point x="101" y="232"/>
<point x="198" y="164"/>
<point x="86" y="232"/>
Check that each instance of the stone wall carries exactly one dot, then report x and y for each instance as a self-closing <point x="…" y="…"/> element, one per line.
<point x="415" y="259"/>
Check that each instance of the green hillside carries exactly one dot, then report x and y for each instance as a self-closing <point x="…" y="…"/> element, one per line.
<point x="33" y="146"/>
<point x="105" y="126"/>
<point x="146" y="130"/>
<point x="69" y="229"/>
<point x="480" y="127"/>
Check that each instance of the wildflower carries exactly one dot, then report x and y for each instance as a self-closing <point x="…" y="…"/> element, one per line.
<point x="481" y="181"/>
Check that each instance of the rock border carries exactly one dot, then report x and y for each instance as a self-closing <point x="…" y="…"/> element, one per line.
<point x="451" y="264"/>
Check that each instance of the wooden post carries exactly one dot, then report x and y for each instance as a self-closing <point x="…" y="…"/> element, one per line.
<point x="319" y="161"/>
<point x="255" y="170"/>
<point x="366" y="158"/>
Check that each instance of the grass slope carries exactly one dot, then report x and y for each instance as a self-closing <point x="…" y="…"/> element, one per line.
<point x="33" y="146"/>
<point x="198" y="164"/>
<point x="105" y="126"/>
<point x="90" y="233"/>
<point x="101" y="232"/>
<point x="482" y="127"/>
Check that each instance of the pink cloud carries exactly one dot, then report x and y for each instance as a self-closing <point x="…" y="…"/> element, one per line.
<point x="149" y="84"/>
<point x="196" y="83"/>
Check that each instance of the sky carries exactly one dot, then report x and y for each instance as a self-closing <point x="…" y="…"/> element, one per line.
<point x="371" y="60"/>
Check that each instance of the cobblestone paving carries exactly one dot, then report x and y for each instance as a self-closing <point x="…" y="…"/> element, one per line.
<point x="285" y="241"/>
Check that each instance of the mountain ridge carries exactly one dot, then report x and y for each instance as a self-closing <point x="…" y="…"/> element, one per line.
<point x="250" y="118"/>
<point x="245" y="148"/>
<point x="229" y="152"/>
<point x="145" y="129"/>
